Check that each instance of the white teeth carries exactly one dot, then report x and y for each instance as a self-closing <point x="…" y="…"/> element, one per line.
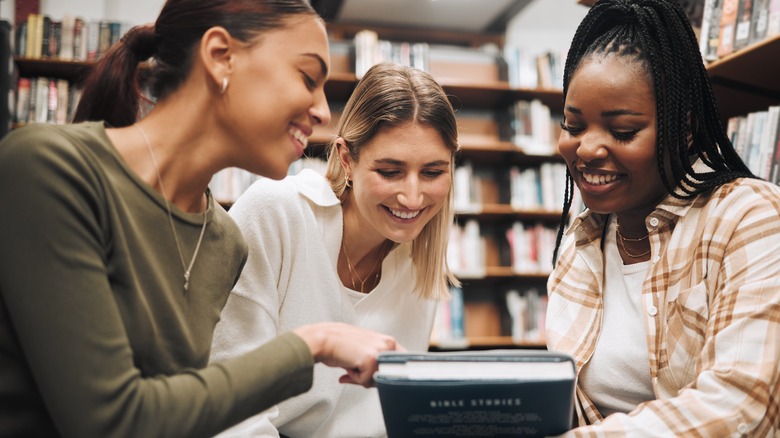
<point x="404" y="215"/>
<point x="299" y="135"/>
<point x="599" y="179"/>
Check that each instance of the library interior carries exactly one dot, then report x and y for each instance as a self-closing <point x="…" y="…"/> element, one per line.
<point x="501" y="63"/>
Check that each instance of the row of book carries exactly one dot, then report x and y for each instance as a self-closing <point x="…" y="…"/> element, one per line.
<point x="756" y="137"/>
<point x="44" y="100"/>
<point x="531" y="247"/>
<point x="534" y="128"/>
<point x="228" y="184"/>
<point x="537" y="188"/>
<point x="485" y="64"/>
<point x="370" y="50"/>
<point x="449" y="327"/>
<point x="731" y="25"/>
<point x="527" y="248"/>
<point x="528" y="69"/>
<point x="529" y="188"/>
<point x="460" y="317"/>
<point x="521" y="67"/>
<point x="69" y="39"/>
<point x="527" y="310"/>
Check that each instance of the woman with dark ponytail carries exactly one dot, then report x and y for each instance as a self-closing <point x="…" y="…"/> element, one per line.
<point x="666" y="289"/>
<point x="115" y="260"/>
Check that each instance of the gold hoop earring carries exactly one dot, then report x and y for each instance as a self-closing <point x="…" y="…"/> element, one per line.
<point x="347" y="182"/>
<point x="224" y="85"/>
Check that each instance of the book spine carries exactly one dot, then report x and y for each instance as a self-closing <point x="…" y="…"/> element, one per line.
<point x="728" y="23"/>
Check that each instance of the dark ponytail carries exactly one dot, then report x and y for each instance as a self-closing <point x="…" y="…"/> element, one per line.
<point x="116" y="76"/>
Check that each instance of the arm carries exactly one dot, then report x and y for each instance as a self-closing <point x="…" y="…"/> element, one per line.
<point x="61" y="308"/>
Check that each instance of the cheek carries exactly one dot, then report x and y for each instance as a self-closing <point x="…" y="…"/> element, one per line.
<point x="438" y="191"/>
<point x="567" y="147"/>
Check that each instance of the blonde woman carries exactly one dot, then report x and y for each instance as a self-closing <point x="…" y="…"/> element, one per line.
<point x="366" y="245"/>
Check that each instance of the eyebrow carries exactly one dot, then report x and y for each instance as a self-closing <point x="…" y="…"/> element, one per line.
<point x="323" y="66"/>
<point x="395" y="162"/>
<point x="611" y="113"/>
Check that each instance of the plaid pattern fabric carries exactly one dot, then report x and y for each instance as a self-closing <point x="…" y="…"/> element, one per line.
<point x="711" y="304"/>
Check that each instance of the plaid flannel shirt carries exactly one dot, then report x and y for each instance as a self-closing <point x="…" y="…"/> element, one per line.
<point x="711" y="306"/>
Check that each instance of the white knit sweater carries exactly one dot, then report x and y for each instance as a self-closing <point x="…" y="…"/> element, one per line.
<point x="294" y="229"/>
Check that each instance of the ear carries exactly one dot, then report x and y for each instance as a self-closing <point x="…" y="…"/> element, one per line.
<point x="218" y="56"/>
<point x="344" y="156"/>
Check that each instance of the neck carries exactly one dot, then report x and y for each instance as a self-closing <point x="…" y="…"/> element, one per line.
<point x="184" y="180"/>
<point x="360" y="259"/>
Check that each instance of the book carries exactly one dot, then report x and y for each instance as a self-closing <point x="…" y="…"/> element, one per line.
<point x="728" y="24"/>
<point x="489" y="393"/>
<point x="773" y="25"/>
<point x="742" y="29"/>
<point x="759" y="21"/>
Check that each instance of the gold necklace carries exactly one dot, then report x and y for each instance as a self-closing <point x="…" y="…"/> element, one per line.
<point x="622" y="242"/>
<point x="353" y="273"/>
<point x="187" y="269"/>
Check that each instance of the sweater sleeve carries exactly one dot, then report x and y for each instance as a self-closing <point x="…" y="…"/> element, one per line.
<point x="61" y="308"/>
<point x="251" y="315"/>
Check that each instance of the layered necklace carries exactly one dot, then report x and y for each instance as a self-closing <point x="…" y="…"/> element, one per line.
<point x="622" y="241"/>
<point x="353" y="273"/>
<point x="187" y="268"/>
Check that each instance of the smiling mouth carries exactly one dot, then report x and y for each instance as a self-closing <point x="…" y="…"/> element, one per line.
<point x="299" y="135"/>
<point x="599" y="179"/>
<point x="403" y="214"/>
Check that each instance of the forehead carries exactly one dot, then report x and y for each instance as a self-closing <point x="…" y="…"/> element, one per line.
<point x="409" y="142"/>
<point x="304" y="34"/>
<point x="612" y="77"/>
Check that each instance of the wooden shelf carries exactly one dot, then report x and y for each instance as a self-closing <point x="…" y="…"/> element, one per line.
<point x="73" y="71"/>
<point x="485" y="342"/>
<point x="493" y="273"/>
<point x="747" y="80"/>
<point x="462" y="94"/>
<point x="506" y="211"/>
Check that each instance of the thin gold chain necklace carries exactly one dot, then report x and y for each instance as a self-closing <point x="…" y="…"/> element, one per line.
<point x="622" y="242"/>
<point x="187" y="269"/>
<point x="354" y="273"/>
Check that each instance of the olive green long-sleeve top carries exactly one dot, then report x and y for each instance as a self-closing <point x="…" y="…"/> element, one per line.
<point x="98" y="337"/>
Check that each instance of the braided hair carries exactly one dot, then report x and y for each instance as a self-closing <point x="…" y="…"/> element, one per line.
<point x="658" y="35"/>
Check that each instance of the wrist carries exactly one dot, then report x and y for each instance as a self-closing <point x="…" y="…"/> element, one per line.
<point x="313" y="338"/>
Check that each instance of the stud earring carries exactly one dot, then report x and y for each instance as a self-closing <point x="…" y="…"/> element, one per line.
<point x="224" y="85"/>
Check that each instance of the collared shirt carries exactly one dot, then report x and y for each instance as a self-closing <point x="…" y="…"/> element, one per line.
<point x="711" y="312"/>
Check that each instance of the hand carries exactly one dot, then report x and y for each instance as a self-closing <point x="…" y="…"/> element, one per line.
<point x="342" y="345"/>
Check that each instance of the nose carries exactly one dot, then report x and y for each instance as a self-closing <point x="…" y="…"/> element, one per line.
<point x="320" y="111"/>
<point x="411" y="195"/>
<point x="592" y="147"/>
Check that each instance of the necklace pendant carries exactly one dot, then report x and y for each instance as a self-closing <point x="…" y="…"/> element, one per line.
<point x="186" y="281"/>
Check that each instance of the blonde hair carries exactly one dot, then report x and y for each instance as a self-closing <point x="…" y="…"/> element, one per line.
<point x="390" y="95"/>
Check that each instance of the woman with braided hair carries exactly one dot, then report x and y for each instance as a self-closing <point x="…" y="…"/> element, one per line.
<point x="666" y="289"/>
<point x="116" y="261"/>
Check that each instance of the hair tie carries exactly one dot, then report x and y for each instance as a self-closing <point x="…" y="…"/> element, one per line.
<point x="141" y="41"/>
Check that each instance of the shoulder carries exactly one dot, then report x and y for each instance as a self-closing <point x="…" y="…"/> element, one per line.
<point x="41" y="148"/>
<point x="746" y="195"/>
<point x="266" y="193"/>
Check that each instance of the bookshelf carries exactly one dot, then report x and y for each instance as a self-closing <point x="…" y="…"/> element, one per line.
<point x="743" y="81"/>
<point x="747" y="80"/>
